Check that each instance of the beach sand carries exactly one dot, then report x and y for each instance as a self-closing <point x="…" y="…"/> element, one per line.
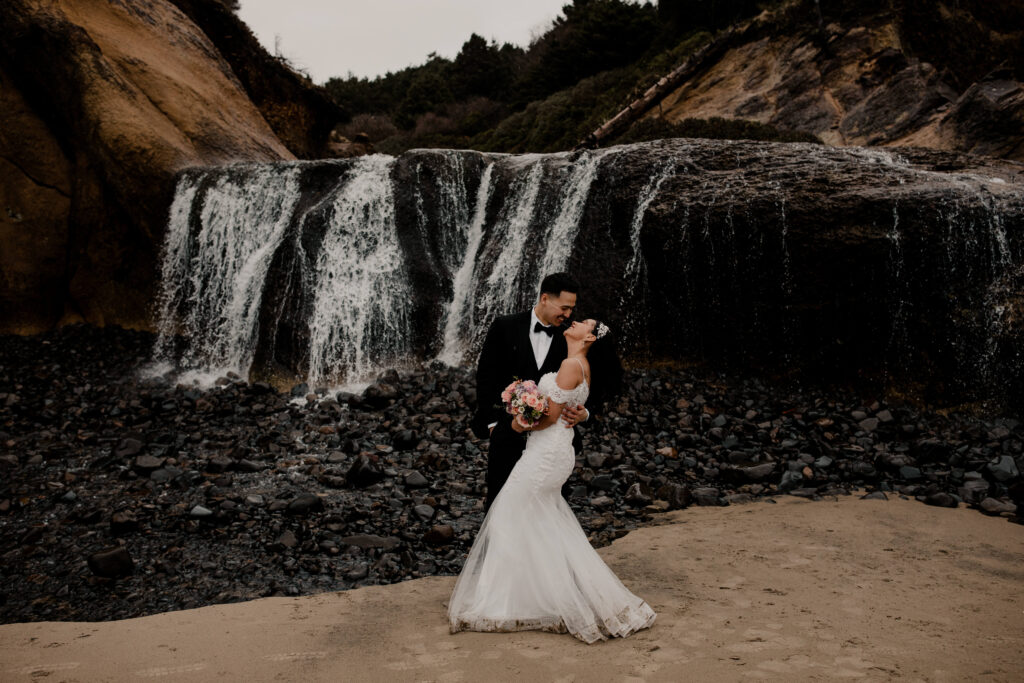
<point x="790" y="591"/>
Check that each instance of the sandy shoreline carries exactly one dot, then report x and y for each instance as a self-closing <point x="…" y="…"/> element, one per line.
<point x="796" y="590"/>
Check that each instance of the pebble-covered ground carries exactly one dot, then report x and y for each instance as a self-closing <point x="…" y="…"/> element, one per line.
<point x="122" y="496"/>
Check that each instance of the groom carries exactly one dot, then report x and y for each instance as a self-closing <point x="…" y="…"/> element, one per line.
<point x="526" y="345"/>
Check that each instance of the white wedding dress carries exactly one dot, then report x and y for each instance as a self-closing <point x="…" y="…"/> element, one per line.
<point x="531" y="566"/>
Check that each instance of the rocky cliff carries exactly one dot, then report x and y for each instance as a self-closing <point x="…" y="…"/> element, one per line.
<point x="103" y="102"/>
<point x="857" y="77"/>
<point x="301" y="115"/>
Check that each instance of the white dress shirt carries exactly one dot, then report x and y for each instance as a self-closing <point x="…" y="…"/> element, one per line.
<point x="541" y="341"/>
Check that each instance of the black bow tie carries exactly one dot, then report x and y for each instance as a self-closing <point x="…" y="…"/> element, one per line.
<point x="548" y="330"/>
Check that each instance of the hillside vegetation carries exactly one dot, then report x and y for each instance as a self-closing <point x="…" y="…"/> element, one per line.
<point x="600" y="55"/>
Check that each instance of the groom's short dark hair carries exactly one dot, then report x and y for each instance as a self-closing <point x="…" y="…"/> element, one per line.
<point x="556" y="283"/>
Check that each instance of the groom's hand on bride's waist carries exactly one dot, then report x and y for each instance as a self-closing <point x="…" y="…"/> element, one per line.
<point x="573" y="415"/>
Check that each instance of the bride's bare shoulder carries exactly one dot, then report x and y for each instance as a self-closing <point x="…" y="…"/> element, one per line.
<point x="570" y="375"/>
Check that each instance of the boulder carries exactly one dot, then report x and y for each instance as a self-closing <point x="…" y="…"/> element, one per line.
<point x="111" y="563"/>
<point x="363" y="472"/>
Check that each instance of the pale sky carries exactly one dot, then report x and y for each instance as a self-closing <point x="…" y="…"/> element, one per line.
<point x="328" y="38"/>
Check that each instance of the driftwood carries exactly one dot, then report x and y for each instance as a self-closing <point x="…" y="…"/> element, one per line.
<point x="666" y="84"/>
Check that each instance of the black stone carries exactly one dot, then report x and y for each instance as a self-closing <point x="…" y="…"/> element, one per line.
<point x="363" y="472"/>
<point x="638" y="494"/>
<point x="424" y="512"/>
<point x="371" y="541"/>
<point x="678" y="496"/>
<point x="112" y="563"/>
<point x="758" y="472"/>
<point x="380" y="395"/>
<point x="305" y="504"/>
<point x="931" y="450"/>
<point x="123" y="522"/>
<point x="941" y="499"/>
<point x="128" y="448"/>
<point x="790" y="480"/>
<point x="405" y="440"/>
<point x="440" y="534"/>
<point x="287" y="540"/>
<point x="148" y="463"/>
<point x="1003" y="469"/>
<point x="992" y="506"/>
<point x="415" y="480"/>
<point x="706" y="495"/>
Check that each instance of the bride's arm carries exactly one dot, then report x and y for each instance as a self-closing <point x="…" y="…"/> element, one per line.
<point x="568" y="374"/>
<point x="550" y="418"/>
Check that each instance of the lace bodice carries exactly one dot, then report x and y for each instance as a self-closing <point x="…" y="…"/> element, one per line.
<point x="550" y="388"/>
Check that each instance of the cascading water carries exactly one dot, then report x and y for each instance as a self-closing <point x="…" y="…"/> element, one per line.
<point x="977" y="245"/>
<point x="520" y="246"/>
<point x="635" y="274"/>
<point x="361" y="306"/>
<point x="733" y="252"/>
<point x="506" y="277"/>
<point x="445" y="229"/>
<point x="212" y="282"/>
<point x="562" y="233"/>
<point x="359" y="316"/>
<point x="896" y="347"/>
<point x="455" y="343"/>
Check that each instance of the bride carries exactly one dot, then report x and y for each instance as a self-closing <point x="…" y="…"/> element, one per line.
<point x="531" y="566"/>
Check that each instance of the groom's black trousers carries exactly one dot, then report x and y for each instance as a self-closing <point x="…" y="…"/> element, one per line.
<point x="505" y="449"/>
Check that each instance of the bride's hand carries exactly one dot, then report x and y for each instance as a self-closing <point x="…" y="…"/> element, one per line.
<point x="518" y="426"/>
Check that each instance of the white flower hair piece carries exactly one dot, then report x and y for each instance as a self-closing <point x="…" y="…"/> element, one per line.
<point x="600" y="330"/>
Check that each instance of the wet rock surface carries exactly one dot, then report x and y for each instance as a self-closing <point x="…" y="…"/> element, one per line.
<point x="122" y="496"/>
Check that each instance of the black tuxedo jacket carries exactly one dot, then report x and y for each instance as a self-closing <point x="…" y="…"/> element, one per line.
<point x="507" y="353"/>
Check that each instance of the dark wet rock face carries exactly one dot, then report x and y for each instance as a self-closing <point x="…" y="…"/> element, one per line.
<point x="121" y="496"/>
<point x="897" y="267"/>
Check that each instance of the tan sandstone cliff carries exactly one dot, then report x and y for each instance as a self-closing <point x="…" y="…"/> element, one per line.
<point x="858" y="88"/>
<point x="102" y="102"/>
<point x="937" y="75"/>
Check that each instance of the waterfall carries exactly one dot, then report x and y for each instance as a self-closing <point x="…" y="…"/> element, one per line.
<point x="895" y="353"/>
<point x="213" y="283"/>
<point x="635" y="273"/>
<point x="512" y="229"/>
<point x="635" y="265"/>
<point x="361" y="306"/>
<point x="455" y="341"/>
<point x="562" y="234"/>
<point x="756" y="254"/>
<point x="445" y="228"/>
<point x="520" y="245"/>
<point x="977" y="245"/>
<point x="359" y="310"/>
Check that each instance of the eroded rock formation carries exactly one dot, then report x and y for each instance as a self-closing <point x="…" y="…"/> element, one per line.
<point x="869" y="80"/>
<point x="103" y="102"/>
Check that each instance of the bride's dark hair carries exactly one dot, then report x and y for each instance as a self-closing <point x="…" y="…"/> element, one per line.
<point x="605" y="368"/>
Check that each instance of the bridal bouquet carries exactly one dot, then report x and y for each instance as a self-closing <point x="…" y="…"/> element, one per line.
<point x="523" y="399"/>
